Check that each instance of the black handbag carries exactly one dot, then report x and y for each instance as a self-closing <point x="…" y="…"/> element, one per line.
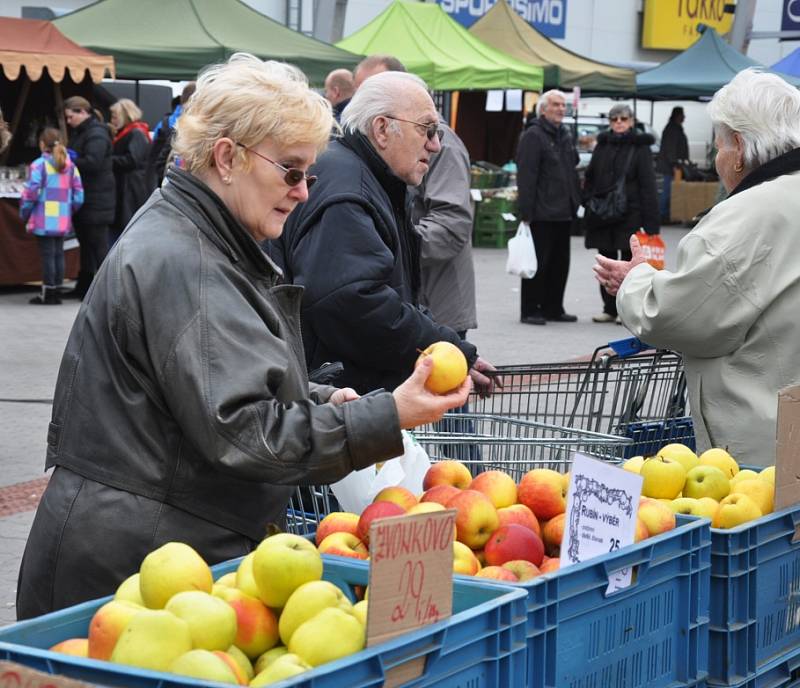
<point x="612" y="204"/>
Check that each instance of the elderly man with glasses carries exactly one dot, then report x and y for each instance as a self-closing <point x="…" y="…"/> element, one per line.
<point x="354" y="249"/>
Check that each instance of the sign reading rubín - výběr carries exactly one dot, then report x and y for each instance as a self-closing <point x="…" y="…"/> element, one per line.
<point x="602" y="506"/>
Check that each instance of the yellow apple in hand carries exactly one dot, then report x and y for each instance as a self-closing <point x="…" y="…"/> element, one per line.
<point x="706" y="481"/>
<point x="734" y="510"/>
<point x="170" y="569"/>
<point x="722" y="460"/>
<point x="331" y="634"/>
<point x="663" y="478"/>
<point x="680" y="453"/>
<point x="449" y="367"/>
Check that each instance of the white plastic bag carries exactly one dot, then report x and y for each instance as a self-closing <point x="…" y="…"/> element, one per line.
<point x="358" y="489"/>
<point x="521" y="253"/>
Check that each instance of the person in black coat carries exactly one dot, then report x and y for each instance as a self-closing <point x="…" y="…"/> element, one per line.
<point x="548" y="200"/>
<point x="674" y="147"/>
<point x="90" y="143"/>
<point x="353" y="248"/>
<point x="131" y="148"/>
<point x="621" y="150"/>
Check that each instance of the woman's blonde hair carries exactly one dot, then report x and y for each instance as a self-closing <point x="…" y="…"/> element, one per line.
<point x="248" y="100"/>
<point x="127" y="111"/>
<point x="54" y="144"/>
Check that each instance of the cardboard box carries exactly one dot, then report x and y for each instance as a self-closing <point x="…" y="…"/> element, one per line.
<point x="687" y="199"/>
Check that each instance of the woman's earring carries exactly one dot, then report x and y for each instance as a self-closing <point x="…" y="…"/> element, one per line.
<point x="738" y="167"/>
<point x="226" y="180"/>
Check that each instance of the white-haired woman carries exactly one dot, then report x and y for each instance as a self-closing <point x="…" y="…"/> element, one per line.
<point x="622" y="152"/>
<point x="548" y="200"/>
<point x="131" y="147"/>
<point x="182" y="408"/>
<point x="731" y="305"/>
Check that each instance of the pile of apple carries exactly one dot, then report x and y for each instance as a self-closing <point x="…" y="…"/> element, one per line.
<point x="504" y="530"/>
<point x="709" y="485"/>
<point x="272" y="619"/>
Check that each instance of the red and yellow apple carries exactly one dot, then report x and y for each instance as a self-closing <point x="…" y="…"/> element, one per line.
<point x="542" y="490"/>
<point x="337" y="522"/>
<point x="439" y="494"/>
<point x="512" y="542"/>
<point x="344" y="545"/>
<point x="553" y="534"/>
<point x="657" y="516"/>
<point x="499" y="487"/>
<point x="399" y="495"/>
<point x="497" y="573"/>
<point x="464" y="561"/>
<point x="522" y="569"/>
<point x="256" y="624"/>
<point x="449" y="369"/>
<point x="447" y="472"/>
<point x="374" y="511"/>
<point x="106" y="626"/>
<point x="77" y="647"/>
<point x="521" y="515"/>
<point x="552" y="564"/>
<point x="476" y="518"/>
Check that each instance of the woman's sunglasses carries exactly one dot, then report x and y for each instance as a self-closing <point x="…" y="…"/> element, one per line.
<point x="292" y="175"/>
<point x="431" y="130"/>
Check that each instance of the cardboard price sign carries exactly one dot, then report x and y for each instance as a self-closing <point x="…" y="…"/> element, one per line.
<point x="14" y="675"/>
<point x="787" y="452"/>
<point x="410" y="573"/>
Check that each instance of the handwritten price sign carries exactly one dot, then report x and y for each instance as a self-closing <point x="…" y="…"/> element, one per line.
<point x="411" y="573"/>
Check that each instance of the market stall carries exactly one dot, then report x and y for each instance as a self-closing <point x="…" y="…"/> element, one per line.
<point x="39" y="67"/>
<point x="152" y="39"/>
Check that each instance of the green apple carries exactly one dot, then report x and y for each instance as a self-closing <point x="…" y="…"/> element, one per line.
<point x="331" y="634"/>
<point x="269" y="657"/>
<point x="170" y="569"/>
<point x="745" y="474"/>
<point x="705" y="506"/>
<point x="360" y="611"/>
<point x="721" y="459"/>
<point x="680" y="453"/>
<point x="307" y="601"/>
<point x="734" y="510"/>
<point x="242" y="660"/>
<point x="285" y="666"/>
<point x="282" y="563"/>
<point x="663" y="478"/>
<point x="706" y="481"/>
<point x="128" y="590"/>
<point x="634" y="464"/>
<point x="212" y="621"/>
<point x="153" y="639"/>
<point x="244" y="577"/>
<point x="203" y="664"/>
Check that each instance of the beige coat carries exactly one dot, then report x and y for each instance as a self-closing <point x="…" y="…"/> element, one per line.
<point x="732" y="308"/>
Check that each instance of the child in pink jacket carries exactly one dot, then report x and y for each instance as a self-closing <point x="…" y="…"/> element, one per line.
<point x="51" y="195"/>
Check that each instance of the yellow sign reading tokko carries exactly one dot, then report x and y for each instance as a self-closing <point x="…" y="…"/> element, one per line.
<point x="672" y="24"/>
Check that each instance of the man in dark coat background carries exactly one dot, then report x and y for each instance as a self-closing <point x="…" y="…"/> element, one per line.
<point x="674" y="147"/>
<point x="548" y="200"/>
<point x="91" y="142"/>
<point x="354" y="249"/>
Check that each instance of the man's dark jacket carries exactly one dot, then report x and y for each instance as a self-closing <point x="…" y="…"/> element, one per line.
<point x="546" y="176"/>
<point x="353" y="248"/>
<point x="91" y="140"/>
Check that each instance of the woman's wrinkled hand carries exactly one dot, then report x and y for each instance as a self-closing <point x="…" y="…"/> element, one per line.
<point x="416" y="405"/>
<point x="611" y="273"/>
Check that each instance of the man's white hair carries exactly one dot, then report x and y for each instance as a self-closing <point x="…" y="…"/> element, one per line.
<point x="544" y="99"/>
<point x="381" y="94"/>
<point x="763" y="109"/>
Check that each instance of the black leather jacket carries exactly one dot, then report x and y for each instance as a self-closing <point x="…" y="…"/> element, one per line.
<point x="183" y="379"/>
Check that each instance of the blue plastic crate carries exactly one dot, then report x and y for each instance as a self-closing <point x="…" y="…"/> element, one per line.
<point x="654" y="633"/>
<point x="481" y="645"/>
<point x="784" y="673"/>
<point x="755" y="600"/>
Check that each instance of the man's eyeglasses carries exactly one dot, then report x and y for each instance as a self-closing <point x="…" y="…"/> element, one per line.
<point x="292" y="175"/>
<point x="619" y="118"/>
<point x="431" y="130"/>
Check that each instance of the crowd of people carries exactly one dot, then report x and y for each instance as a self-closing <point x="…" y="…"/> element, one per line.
<point x="257" y="321"/>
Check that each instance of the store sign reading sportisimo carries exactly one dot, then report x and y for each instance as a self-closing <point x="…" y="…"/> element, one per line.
<point x="548" y="16"/>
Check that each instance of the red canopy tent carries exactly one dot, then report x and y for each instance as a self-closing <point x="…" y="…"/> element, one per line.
<point x="39" y="67"/>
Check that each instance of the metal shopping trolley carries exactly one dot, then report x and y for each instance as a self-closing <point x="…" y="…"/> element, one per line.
<point x="625" y="389"/>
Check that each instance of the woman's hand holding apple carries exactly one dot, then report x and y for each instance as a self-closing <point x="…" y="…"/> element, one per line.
<point x="416" y="405"/>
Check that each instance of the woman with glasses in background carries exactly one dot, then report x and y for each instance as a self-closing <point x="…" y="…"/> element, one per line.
<point x="182" y="409"/>
<point x="622" y="153"/>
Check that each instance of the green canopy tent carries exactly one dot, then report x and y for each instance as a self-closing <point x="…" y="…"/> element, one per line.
<point x="503" y="28"/>
<point x="698" y="72"/>
<point x="175" y="39"/>
<point x="439" y="50"/>
<point x="443" y="53"/>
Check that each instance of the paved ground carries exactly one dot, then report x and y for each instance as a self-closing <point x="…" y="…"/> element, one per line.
<point x="32" y="340"/>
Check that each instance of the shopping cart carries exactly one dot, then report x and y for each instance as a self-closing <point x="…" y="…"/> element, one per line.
<point x="625" y="389"/>
<point x="516" y="446"/>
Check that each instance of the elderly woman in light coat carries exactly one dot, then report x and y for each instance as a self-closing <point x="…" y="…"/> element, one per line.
<point x="731" y="306"/>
